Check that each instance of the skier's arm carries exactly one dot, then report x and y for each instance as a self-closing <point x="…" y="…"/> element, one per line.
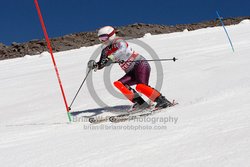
<point x="107" y="56"/>
<point x="104" y="61"/>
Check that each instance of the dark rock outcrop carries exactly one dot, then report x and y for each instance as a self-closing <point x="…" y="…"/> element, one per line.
<point x="74" y="41"/>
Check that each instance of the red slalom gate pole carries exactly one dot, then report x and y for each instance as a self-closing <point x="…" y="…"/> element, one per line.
<point x="52" y="56"/>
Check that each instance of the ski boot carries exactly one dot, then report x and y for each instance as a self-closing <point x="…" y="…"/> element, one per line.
<point x="162" y="102"/>
<point x="139" y="103"/>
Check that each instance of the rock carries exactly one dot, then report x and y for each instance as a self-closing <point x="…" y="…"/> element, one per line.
<point x="74" y="41"/>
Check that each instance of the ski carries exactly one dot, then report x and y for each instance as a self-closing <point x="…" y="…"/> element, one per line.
<point x="96" y="120"/>
<point x="129" y="115"/>
<point x="144" y="113"/>
<point x="101" y="119"/>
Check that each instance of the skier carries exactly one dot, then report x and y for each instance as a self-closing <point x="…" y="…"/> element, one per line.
<point x="136" y="68"/>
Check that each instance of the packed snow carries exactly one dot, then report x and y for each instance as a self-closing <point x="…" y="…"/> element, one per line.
<point x="209" y="128"/>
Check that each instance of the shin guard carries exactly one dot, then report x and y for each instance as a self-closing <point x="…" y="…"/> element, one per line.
<point x="151" y="93"/>
<point x="128" y="93"/>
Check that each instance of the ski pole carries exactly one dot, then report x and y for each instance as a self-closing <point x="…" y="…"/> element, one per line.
<point x="122" y="61"/>
<point x="79" y="88"/>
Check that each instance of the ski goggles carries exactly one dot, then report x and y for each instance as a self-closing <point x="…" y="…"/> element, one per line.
<point x="104" y="38"/>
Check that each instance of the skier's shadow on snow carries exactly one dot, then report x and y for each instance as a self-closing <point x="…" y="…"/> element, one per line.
<point x="97" y="111"/>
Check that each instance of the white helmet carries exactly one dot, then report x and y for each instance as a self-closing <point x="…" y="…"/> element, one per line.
<point x="106" y="33"/>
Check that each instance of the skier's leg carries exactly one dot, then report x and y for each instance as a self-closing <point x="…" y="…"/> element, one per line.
<point x="131" y="94"/>
<point x="127" y="79"/>
<point x="153" y="95"/>
<point x="148" y="91"/>
<point x="142" y="73"/>
<point x="125" y="90"/>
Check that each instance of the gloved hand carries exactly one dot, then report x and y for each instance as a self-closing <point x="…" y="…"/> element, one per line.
<point x="111" y="57"/>
<point x="92" y="65"/>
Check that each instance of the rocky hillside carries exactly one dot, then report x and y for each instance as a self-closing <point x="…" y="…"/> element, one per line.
<point x="73" y="41"/>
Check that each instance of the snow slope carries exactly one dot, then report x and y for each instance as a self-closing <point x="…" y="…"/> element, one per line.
<point x="210" y="126"/>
